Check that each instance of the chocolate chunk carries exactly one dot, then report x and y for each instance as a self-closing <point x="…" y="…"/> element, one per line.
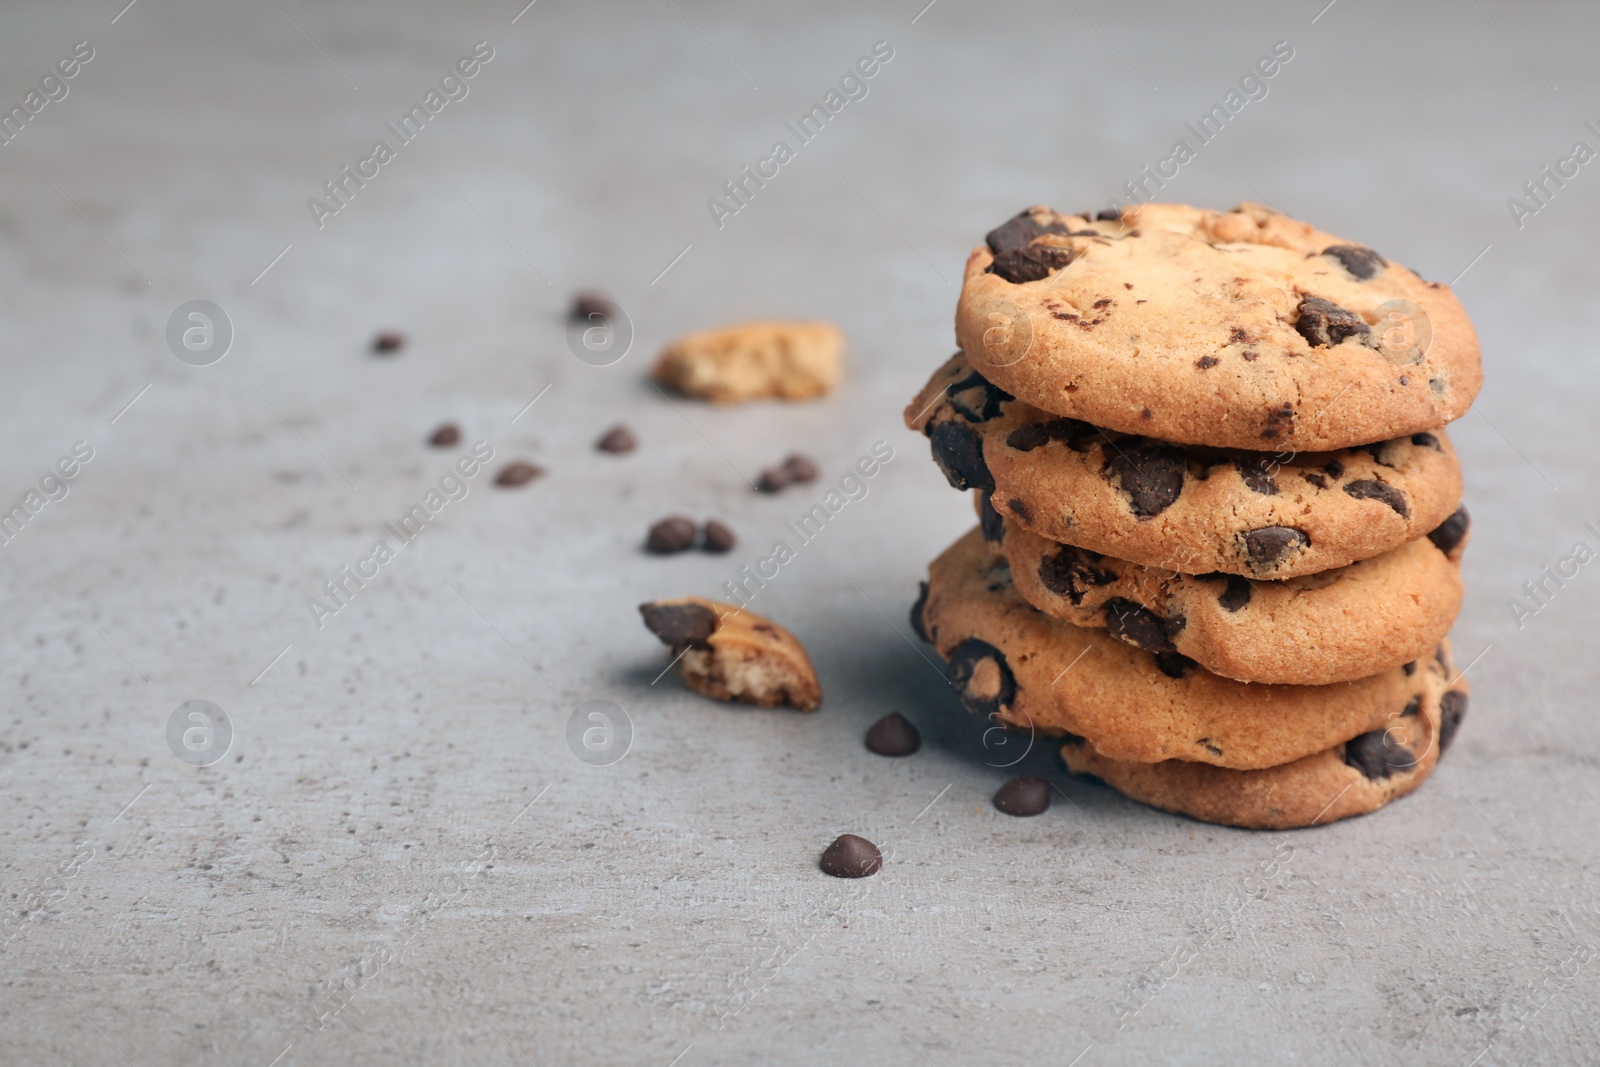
<point x="772" y="479"/>
<point x="989" y="520"/>
<point x="1027" y="438"/>
<point x="1334" y="468"/>
<point x="981" y="676"/>
<point x="388" y="341"/>
<point x="1363" y="263"/>
<point x="1257" y="475"/>
<point x="1023" y="797"/>
<point x="1409" y="668"/>
<point x="1413" y="706"/>
<point x="1019" y="508"/>
<point x="1427" y="440"/>
<point x="893" y="735"/>
<point x="1322" y="322"/>
<point x="1071" y="571"/>
<point x="976" y="399"/>
<point x="618" y="439"/>
<point x="1018" y="232"/>
<point x="1270" y="545"/>
<point x="1074" y="433"/>
<point x="1452" y="531"/>
<point x="958" y="450"/>
<point x="1452" y="709"/>
<point x="1378" y="755"/>
<point x="717" y="537"/>
<point x="1278" y="420"/>
<point x="1372" y="489"/>
<point x="587" y="306"/>
<point x="801" y="469"/>
<point x="672" y="534"/>
<point x="1315" y="479"/>
<point x="1207" y="362"/>
<point x="1150" y="473"/>
<point x="1030" y="263"/>
<point x="851" y="857"/>
<point x="519" y="472"/>
<point x="1237" y="595"/>
<point x="918" y="625"/>
<point x="680" y="625"/>
<point x="1130" y="621"/>
<point x="1175" y="664"/>
<point x="446" y="435"/>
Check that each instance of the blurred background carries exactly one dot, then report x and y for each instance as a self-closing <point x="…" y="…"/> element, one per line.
<point x="396" y="855"/>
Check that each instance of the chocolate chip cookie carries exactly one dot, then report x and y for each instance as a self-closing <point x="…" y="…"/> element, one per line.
<point x="1189" y="508"/>
<point x="754" y="361"/>
<point x="1346" y="623"/>
<point x="1244" y="329"/>
<point x="1022" y="668"/>
<point x="1353" y="778"/>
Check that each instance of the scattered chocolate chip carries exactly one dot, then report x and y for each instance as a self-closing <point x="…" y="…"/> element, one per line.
<point x="518" y="472"/>
<point x="1363" y="263"/>
<point x="851" y="857"/>
<point x="717" y="537"/>
<point x="1257" y="475"/>
<point x="918" y="624"/>
<point x="1071" y="571"/>
<point x="1452" y="531"/>
<point x="1130" y="621"/>
<point x="1150" y="473"/>
<point x="1452" y="709"/>
<point x="1322" y="322"/>
<point x="1372" y="489"/>
<point x="672" y="534"/>
<point x="981" y="676"/>
<point x="1207" y="362"/>
<point x="1018" y="232"/>
<point x="893" y="735"/>
<point x="989" y="520"/>
<point x="1378" y="755"/>
<point x="1175" y="664"/>
<point x="1237" y="595"/>
<point x="1023" y="797"/>
<point x="618" y="439"/>
<point x="1334" y="468"/>
<point x="802" y="469"/>
<point x="680" y="625"/>
<point x="1426" y="440"/>
<point x="958" y="450"/>
<point x="585" y="306"/>
<point x="1270" y="545"/>
<point x="446" y="435"/>
<point x="976" y="399"/>
<point x="772" y="479"/>
<point x="1030" y="263"/>
<point x="388" y="341"/>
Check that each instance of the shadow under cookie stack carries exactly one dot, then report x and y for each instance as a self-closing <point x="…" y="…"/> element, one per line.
<point x="1220" y="523"/>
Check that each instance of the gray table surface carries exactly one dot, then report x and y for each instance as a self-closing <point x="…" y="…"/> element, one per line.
<point x="400" y="830"/>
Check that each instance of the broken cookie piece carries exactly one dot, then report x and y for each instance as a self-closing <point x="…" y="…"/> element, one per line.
<point x="731" y="654"/>
<point x="754" y="361"/>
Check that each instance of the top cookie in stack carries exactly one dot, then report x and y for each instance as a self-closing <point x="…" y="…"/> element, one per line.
<point x="1217" y="438"/>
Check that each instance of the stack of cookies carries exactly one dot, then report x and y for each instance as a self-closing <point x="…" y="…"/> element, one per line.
<point x="1220" y="522"/>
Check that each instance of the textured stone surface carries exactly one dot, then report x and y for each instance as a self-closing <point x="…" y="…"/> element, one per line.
<point x="400" y="814"/>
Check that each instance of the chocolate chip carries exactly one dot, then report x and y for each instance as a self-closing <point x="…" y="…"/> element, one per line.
<point x="1363" y="263"/>
<point x="772" y="479"/>
<point x="1277" y="421"/>
<point x="976" y="399"/>
<point x="1270" y="545"/>
<point x="1175" y="664"/>
<point x="388" y="341"/>
<point x="1452" y="531"/>
<point x="989" y="520"/>
<point x="851" y="857"/>
<point x="1452" y="709"/>
<point x="1372" y="489"/>
<point x="958" y="450"/>
<point x="1237" y="595"/>
<point x="680" y="625"/>
<point x="1426" y="440"/>
<point x="1378" y="755"/>
<point x="1018" y="232"/>
<point x="801" y="468"/>
<point x="1130" y="621"/>
<point x="672" y="534"/>
<point x="1023" y="797"/>
<point x="1019" y="508"/>
<point x="1322" y="322"/>
<point x="446" y="435"/>
<point x="1030" y="263"/>
<point x="1207" y="362"/>
<point x="1074" y="433"/>
<point x="618" y="439"/>
<point x="585" y="306"/>
<point x="1071" y="571"/>
<point x="918" y="624"/>
<point x="1413" y="706"/>
<point x="518" y="472"/>
<point x="1110" y="215"/>
<point x="893" y="735"/>
<point x="1315" y="479"/>
<point x="1409" y="668"/>
<point x="717" y="537"/>
<point x="1150" y="473"/>
<point x="981" y="676"/>
<point x="1257" y="475"/>
<point x="1027" y="438"/>
<point x="1334" y="468"/>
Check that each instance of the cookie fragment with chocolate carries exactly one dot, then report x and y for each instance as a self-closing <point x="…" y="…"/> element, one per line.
<point x="728" y="653"/>
<point x="754" y="361"/>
